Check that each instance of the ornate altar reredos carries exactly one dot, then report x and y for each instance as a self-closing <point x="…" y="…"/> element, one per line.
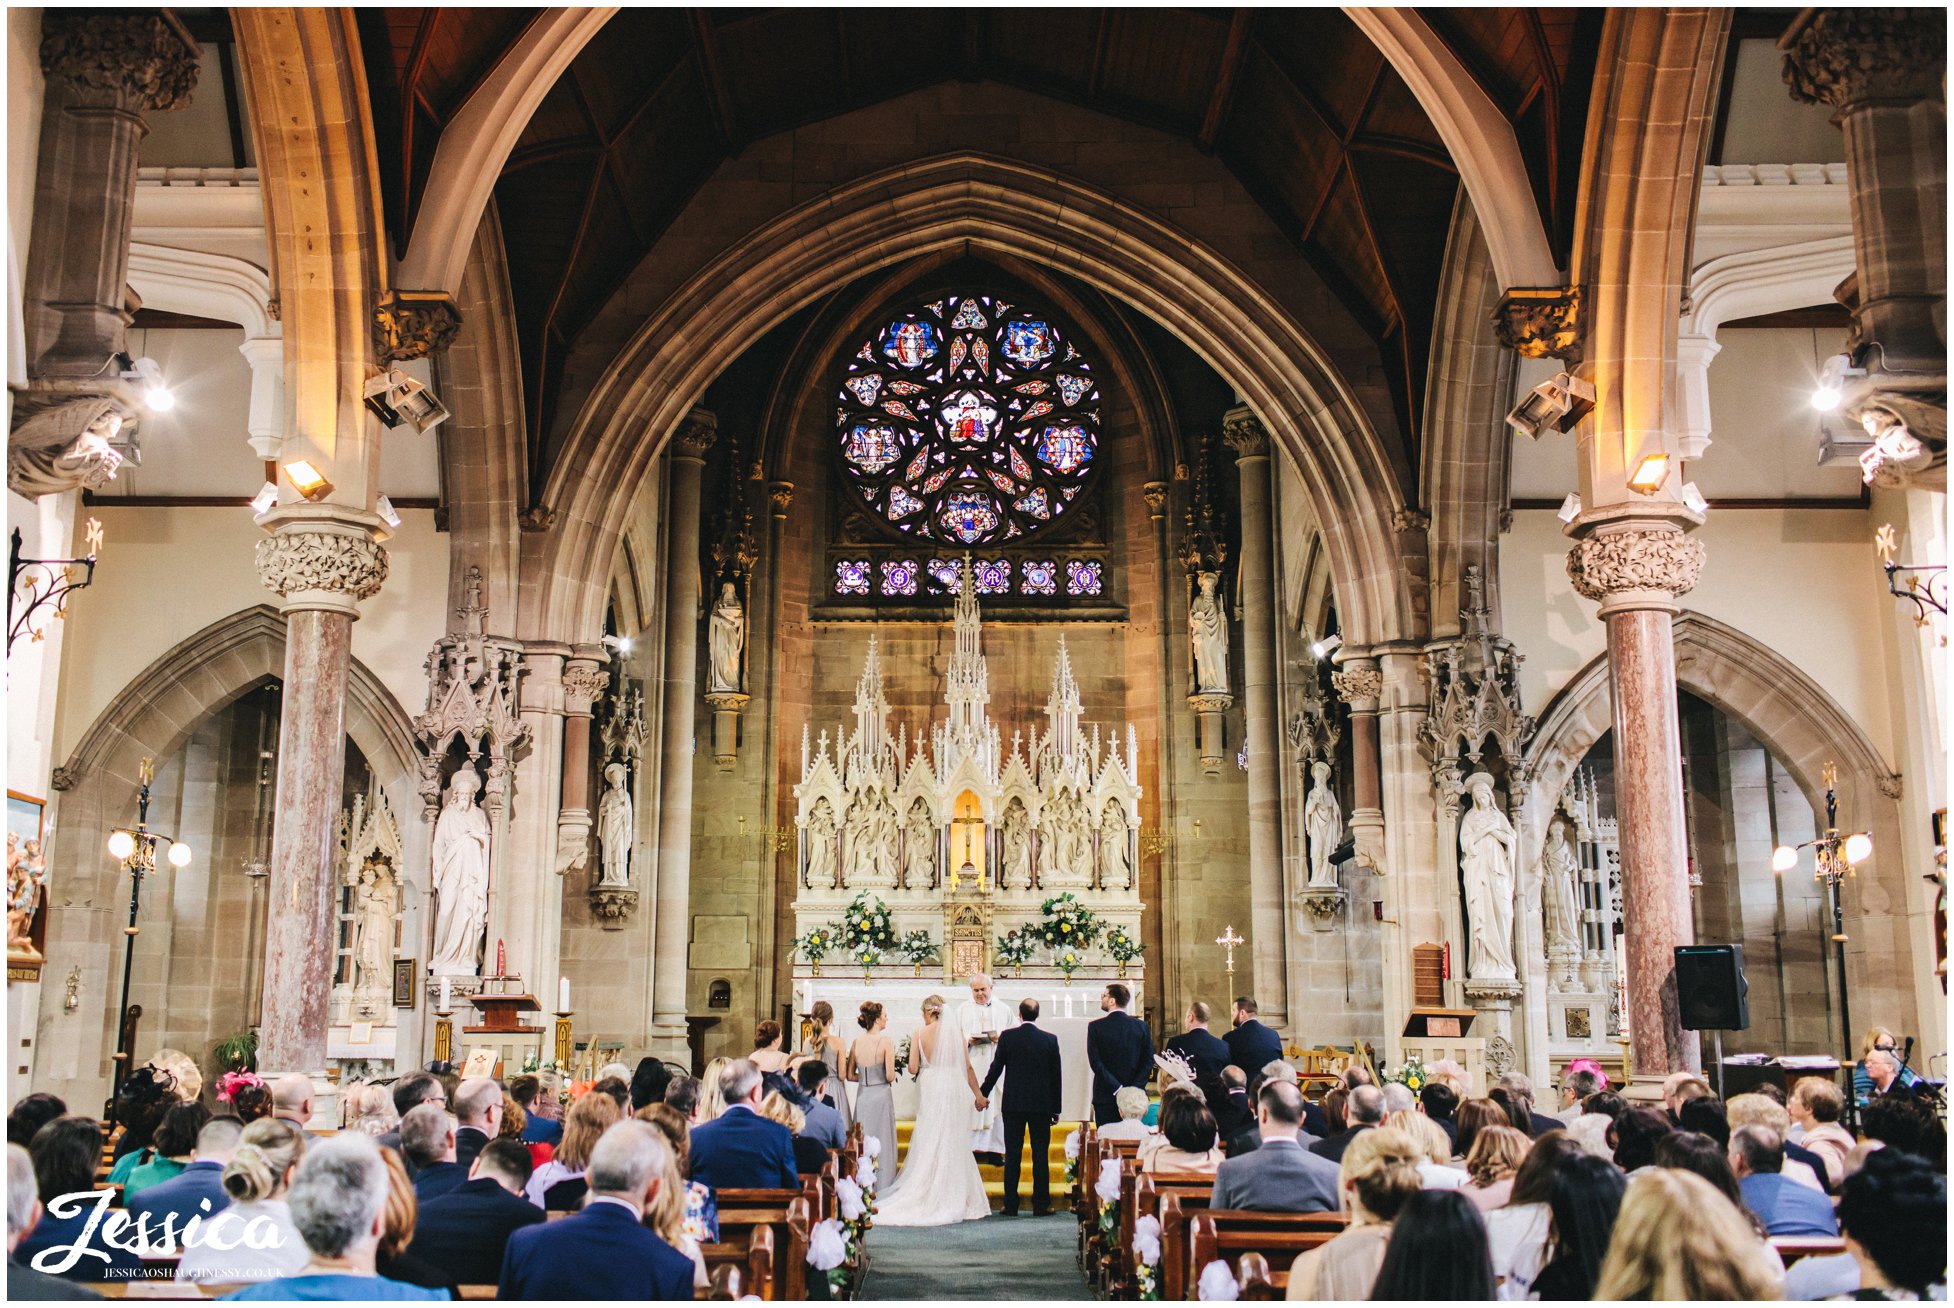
<point x="959" y="837"/>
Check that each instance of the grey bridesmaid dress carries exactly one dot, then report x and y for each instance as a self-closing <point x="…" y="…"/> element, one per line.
<point x="875" y="1109"/>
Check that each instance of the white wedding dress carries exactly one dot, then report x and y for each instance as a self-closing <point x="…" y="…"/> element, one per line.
<point x="939" y="1183"/>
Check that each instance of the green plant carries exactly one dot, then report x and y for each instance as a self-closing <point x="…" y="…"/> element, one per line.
<point x="1122" y="946"/>
<point x="917" y="947"/>
<point x="237" y="1053"/>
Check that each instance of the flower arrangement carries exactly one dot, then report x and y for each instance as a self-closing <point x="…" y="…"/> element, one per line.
<point x="867" y="957"/>
<point x="827" y="1253"/>
<point x="816" y="942"/>
<point x="918" y="948"/>
<point x="231" y="1082"/>
<point x="1411" y="1075"/>
<point x="1146" y="1256"/>
<point x="1067" y="961"/>
<point x="902" y="1055"/>
<point x="1072" y="1146"/>
<point x="1014" y="950"/>
<point x="1106" y="1187"/>
<point x="1123" y="947"/>
<point x="867" y="924"/>
<point x="1068" y="922"/>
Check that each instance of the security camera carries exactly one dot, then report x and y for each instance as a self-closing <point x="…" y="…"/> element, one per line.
<point x="1558" y="404"/>
<point x="394" y="397"/>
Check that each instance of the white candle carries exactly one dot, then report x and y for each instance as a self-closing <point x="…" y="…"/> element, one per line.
<point x="445" y="1005"/>
<point x="563" y="994"/>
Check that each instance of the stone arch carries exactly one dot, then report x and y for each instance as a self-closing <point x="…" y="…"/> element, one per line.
<point x="1008" y="209"/>
<point x="1806" y="729"/>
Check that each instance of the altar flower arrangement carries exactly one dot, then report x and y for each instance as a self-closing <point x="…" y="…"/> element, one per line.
<point x="867" y="957"/>
<point x="1411" y="1075"/>
<point x="867" y="924"/>
<point x="1067" y="961"/>
<point x="918" y="948"/>
<point x="231" y="1082"/>
<point x="1069" y="923"/>
<point x="816" y="942"/>
<point x="1014" y="950"/>
<point x="1123" y="947"/>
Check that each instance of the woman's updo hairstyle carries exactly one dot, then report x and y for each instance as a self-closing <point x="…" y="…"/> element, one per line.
<point x="266" y="1151"/>
<point x="766" y="1033"/>
<point x="871" y="1014"/>
<point x="1381" y="1169"/>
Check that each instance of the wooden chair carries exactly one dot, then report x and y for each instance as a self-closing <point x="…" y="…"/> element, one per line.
<point x="1227" y="1234"/>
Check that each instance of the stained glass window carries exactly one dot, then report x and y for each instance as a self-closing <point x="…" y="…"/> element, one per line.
<point x="968" y="421"/>
<point x="851" y="577"/>
<point x="1081" y="578"/>
<point x="993" y="576"/>
<point x="1040" y="577"/>
<point x="899" y="576"/>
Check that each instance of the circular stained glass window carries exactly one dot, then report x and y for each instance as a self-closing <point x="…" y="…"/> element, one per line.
<point x="969" y="420"/>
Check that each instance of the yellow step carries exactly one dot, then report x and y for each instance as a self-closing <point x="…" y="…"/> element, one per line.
<point x="993" y="1174"/>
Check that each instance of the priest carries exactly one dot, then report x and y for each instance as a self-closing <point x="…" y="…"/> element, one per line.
<point x="983" y="1018"/>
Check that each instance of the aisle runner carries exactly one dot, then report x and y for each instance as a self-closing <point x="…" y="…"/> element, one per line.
<point x="997" y="1258"/>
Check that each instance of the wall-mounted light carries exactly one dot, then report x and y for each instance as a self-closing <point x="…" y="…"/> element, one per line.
<point x="1649" y="474"/>
<point x="307" y="480"/>
<point x="1693" y="499"/>
<point x="1570" y="508"/>
<point x="394" y="397"/>
<point x="385" y="508"/>
<point x="1329" y="645"/>
<point x="618" y="644"/>
<point x="262" y="502"/>
<point x="156" y="394"/>
<point x="1830" y="391"/>
<point x="1557" y="404"/>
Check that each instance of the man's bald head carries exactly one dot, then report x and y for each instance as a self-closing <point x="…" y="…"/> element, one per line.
<point x="291" y="1097"/>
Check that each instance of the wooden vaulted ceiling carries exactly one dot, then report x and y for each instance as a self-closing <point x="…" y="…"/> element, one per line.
<point x="1296" y="102"/>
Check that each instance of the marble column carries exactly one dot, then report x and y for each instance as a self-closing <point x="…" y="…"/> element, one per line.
<point x="1165" y="923"/>
<point x="322" y="560"/>
<point x="1262" y="734"/>
<point x="584" y="679"/>
<point x="1360" y="684"/>
<point x="677" y="746"/>
<point x="1636" y="567"/>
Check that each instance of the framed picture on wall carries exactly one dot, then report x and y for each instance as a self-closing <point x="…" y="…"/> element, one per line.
<point x="405" y="991"/>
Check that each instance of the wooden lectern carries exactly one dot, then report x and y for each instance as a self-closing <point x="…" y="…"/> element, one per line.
<point x="1432" y="1033"/>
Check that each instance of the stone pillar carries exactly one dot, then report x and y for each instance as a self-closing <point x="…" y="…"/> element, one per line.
<point x="1360" y="685"/>
<point x="584" y="679"/>
<point x="1636" y="567"/>
<point x="266" y="355"/>
<point x="322" y="560"/>
<point x="1164" y="924"/>
<point x="1262" y="735"/>
<point x="674" y="905"/>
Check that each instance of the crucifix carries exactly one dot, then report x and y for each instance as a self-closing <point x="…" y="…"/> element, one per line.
<point x="1228" y="940"/>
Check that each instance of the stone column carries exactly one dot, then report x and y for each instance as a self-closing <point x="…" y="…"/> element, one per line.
<point x="322" y="560"/>
<point x="1165" y="922"/>
<point x="1636" y="567"/>
<point x="674" y="906"/>
<point x="584" y="679"/>
<point x="1360" y="685"/>
<point x="266" y="355"/>
<point x="1262" y="732"/>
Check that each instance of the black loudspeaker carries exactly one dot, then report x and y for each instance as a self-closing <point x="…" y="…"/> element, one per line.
<point x="1710" y="988"/>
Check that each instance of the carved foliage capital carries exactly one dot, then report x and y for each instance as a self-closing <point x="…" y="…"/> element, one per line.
<point x="1540" y="322"/>
<point x="1244" y="433"/>
<point x="583" y="682"/>
<point x="140" y="60"/>
<point x="320" y="565"/>
<point x="414" y="324"/>
<point x="695" y="434"/>
<point x="1641" y="559"/>
<point x="1358" y="683"/>
<point x="780" y="495"/>
<point x="1840" y="56"/>
<point x="1155" y="494"/>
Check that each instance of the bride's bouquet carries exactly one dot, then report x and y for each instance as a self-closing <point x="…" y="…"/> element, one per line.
<point x="902" y="1055"/>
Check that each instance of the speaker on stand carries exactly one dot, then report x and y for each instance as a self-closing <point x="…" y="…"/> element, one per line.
<point x="1712" y="994"/>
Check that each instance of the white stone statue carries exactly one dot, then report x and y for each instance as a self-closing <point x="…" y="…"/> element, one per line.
<point x="919" y="852"/>
<point x="1115" y="862"/>
<point x="1559" y="869"/>
<point x="1487" y="845"/>
<point x="1016" y="872"/>
<point x="872" y="843"/>
<point x="725" y="641"/>
<point x="823" y="871"/>
<point x="1207" y="625"/>
<point x="1323" y="825"/>
<point x="375" y="896"/>
<point x="614" y="825"/>
<point x="1067" y="843"/>
<point x="461" y="873"/>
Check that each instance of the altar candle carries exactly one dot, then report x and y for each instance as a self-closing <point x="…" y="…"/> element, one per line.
<point x="563" y="994"/>
<point x="501" y="960"/>
<point x="445" y="1006"/>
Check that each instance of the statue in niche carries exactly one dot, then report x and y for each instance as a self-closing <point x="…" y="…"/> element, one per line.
<point x="461" y="873"/>
<point x="1487" y="844"/>
<point x="1067" y="842"/>
<point x="1323" y="825"/>
<point x="1559" y="869"/>
<point x="823" y="871"/>
<point x="1115" y="863"/>
<point x="376" y="898"/>
<point x="919" y="848"/>
<point x="1207" y="625"/>
<point x="1016" y="872"/>
<point x="614" y="827"/>
<point x="26" y="879"/>
<point x="872" y="843"/>
<point x="725" y="641"/>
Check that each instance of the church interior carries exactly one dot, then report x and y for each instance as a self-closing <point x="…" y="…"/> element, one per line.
<point x="630" y="524"/>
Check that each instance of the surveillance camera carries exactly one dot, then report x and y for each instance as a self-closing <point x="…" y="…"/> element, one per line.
<point x="394" y="397"/>
<point x="1558" y="403"/>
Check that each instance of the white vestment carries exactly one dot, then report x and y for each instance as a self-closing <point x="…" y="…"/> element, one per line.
<point x="987" y="1126"/>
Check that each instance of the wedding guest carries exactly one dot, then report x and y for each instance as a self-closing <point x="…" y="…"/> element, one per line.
<point x="1519" y="1088"/>
<point x="1235" y="1115"/>
<point x="1515" y="1107"/>
<point x="1580" y="1080"/>
<point x="1800" y="1164"/>
<point x="1315" y="1124"/>
<point x="30" y="1113"/>
<point x="463" y="1233"/>
<point x="1706" y="1115"/>
<point x="700" y="1207"/>
<point x="251" y="1103"/>
<point x="618" y="1089"/>
<point x="427" y="1138"/>
<point x="615" y="1071"/>
<point x="1909" y="1124"/>
<point x="370" y="1111"/>
<point x="478" y="1117"/>
<point x="1692" y="1151"/>
<point x="514" y="1121"/>
<point x="809" y="1156"/>
<point x="1590" y="1131"/>
<point x="1497" y="1152"/>
<point x="1187" y="1136"/>
<point x="198" y="1190"/>
<point x="711" y="1105"/>
<point x="66" y="1153"/>
<point x="1437" y="1252"/>
<point x="1204" y="1051"/>
<point x="1607" y="1103"/>
<point x="605" y="1252"/>
<point x="1434" y="1149"/>
<point x="1440" y="1102"/>
<point x="1816" y="1105"/>
<point x="1518" y="1233"/>
<point x="393" y="1259"/>
<point x="258" y="1180"/>
<point x="1250" y="1044"/>
<point x="1335" y="1119"/>
<point x="1281" y="1175"/>
<point x="140" y="1103"/>
<point x="742" y="1149"/>
<point x="683" y="1095"/>
<point x="291" y="1101"/>
<point x="411" y="1091"/>
<point x="1378" y="1175"/>
<point x="1893" y="1212"/>
<point x="1879" y="1067"/>
<point x="767" y="1054"/>
<point x="559" y="1185"/>
<point x="648" y="1081"/>
<point x="666" y="1214"/>
<point x="170" y="1149"/>
<point x="1784" y="1206"/>
<point x="543" y="1121"/>
<point x="1119" y="1050"/>
<point x="1131" y="1105"/>
<point x="1635" y="1135"/>
<point x="1397" y="1098"/>
<point x="339" y="1202"/>
<point x="1585" y="1198"/>
<point x="1678" y="1088"/>
<point x="1364" y="1111"/>
<point x="825" y="1125"/>
<point x="1474" y="1116"/>
<point x="23" y="1213"/>
<point x="1675" y="1237"/>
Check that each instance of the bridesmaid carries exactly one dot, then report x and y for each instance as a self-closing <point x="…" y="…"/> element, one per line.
<point x="873" y="1064"/>
<point x="826" y="1046"/>
<point x="767" y="1054"/>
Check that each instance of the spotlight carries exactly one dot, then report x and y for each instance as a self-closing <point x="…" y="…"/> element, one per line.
<point x="156" y="394"/>
<point x="179" y="854"/>
<point x="1826" y="398"/>
<point x="1830" y="391"/>
<point x="1783" y="858"/>
<point x="1693" y="498"/>
<point x="262" y="502"/>
<point x="618" y="644"/>
<point x="1858" y="848"/>
<point x="307" y="480"/>
<point x="1649" y="474"/>
<point x="394" y="397"/>
<point x="1558" y="404"/>
<point x="121" y="845"/>
<point x="388" y="515"/>
<point x="1570" y="508"/>
<point x="1329" y="645"/>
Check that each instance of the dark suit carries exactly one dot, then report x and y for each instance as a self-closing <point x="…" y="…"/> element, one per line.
<point x="1119" y="1049"/>
<point x="1033" y="1098"/>
<point x="437" y="1179"/>
<point x="603" y="1252"/>
<point x="23" y="1282"/>
<point x="464" y="1232"/>
<point x="742" y="1150"/>
<point x="469" y="1143"/>
<point x="198" y="1190"/>
<point x="1539" y="1124"/>
<point x="1332" y="1147"/>
<point x="1252" y="1047"/>
<point x="1205" y="1052"/>
<point x="542" y="1130"/>
<point x="1278" y="1177"/>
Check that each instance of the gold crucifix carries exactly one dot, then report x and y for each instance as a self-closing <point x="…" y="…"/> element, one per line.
<point x="1228" y="940"/>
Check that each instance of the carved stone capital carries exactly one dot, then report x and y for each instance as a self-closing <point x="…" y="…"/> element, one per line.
<point x="1322" y="903"/>
<point x="1155" y="494"/>
<point x="1403" y="520"/>
<point x="64" y="442"/>
<point x="613" y="905"/>
<point x="63" y="778"/>
<point x="414" y="324"/>
<point x="583" y="682"/>
<point x="1244" y="433"/>
<point x="322" y="563"/>
<point x="139" y="60"/>
<point x="1357" y="685"/>
<point x="695" y="435"/>
<point x="1889" y="783"/>
<point x="537" y="517"/>
<point x="1845" y="56"/>
<point x="1211" y="703"/>
<point x="1540" y="322"/>
<point x="1642" y="566"/>
<point x="780" y="495"/>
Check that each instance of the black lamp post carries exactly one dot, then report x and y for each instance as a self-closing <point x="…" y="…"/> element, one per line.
<point x="135" y="848"/>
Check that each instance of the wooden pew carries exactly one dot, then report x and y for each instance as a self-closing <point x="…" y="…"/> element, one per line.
<point x="1227" y="1235"/>
<point x="1191" y="1189"/>
<point x="1257" y="1281"/>
<point x="788" y="1215"/>
<point x="753" y="1261"/>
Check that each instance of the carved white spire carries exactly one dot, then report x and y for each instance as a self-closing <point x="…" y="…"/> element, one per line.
<point x="967" y="687"/>
<point x="1063" y="708"/>
<point x="871" y="705"/>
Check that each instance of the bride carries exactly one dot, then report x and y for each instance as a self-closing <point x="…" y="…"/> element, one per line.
<point x="939" y="1183"/>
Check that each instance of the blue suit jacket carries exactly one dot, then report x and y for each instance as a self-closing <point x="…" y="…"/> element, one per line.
<point x="464" y="1232"/>
<point x="1787" y="1208"/>
<point x="742" y="1150"/>
<point x="182" y="1196"/>
<point x="542" y="1130"/>
<point x="603" y="1252"/>
<point x="437" y="1179"/>
<point x="1252" y="1046"/>
<point x="1119" y="1049"/>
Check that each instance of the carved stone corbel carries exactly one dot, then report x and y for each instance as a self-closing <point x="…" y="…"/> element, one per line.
<point x="1540" y="322"/>
<point x="414" y="324"/>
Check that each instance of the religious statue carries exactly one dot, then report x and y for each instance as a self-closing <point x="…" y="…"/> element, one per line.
<point x="1015" y="874"/>
<point x="1487" y="843"/>
<point x="374" y="911"/>
<point x="1065" y="843"/>
<point x="919" y="851"/>
<point x="1559" y="868"/>
<point x="614" y="827"/>
<point x="1323" y="825"/>
<point x="25" y="881"/>
<point x="461" y="873"/>
<point x="1115" y="863"/>
<point x="823" y="870"/>
<point x="1207" y="626"/>
<point x="871" y="834"/>
<point x="725" y="641"/>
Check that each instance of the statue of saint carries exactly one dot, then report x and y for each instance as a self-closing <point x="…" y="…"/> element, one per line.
<point x="1068" y="850"/>
<point x="823" y="871"/>
<point x="1323" y="825"/>
<point x="614" y="827"/>
<point x="1115" y="863"/>
<point x="374" y="913"/>
<point x="887" y="866"/>
<point x="1487" y="846"/>
<point x="871" y="842"/>
<point x="725" y="641"/>
<point x="461" y="873"/>
<point x="25" y="882"/>
<point x="1207" y="625"/>
<point x="1016" y="872"/>
<point x="1559" y="868"/>
<point x="919" y="848"/>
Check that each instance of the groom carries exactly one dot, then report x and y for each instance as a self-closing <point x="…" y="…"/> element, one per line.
<point x="1032" y="1099"/>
